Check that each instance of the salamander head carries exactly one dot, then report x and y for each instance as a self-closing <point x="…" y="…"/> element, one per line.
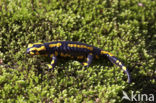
<point x="36" y="49"/>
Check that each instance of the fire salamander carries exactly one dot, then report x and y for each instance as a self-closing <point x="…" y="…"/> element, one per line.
<point x="75" y="50"/>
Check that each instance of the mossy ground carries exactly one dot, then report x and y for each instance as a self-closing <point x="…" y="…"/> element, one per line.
<point x="125" y="28"/>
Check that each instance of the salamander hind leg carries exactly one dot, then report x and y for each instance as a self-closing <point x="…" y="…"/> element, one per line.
<point x="89" y="60"/>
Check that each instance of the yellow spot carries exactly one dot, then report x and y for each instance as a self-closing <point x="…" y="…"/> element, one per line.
<point x="32" y="53"/>
<point x="78" y="46"/>
<point x="50" y="67"/>
<point x="52" y="45"/>
<point x="81" y="46"/>
<point x="97" y="57"/>
<point x="59" y="44"/>
<point x="56" y="53"/>
<point x="74" y="45"/>
<point x="52" y="62"/>
<point x="124" y="68"/>
<point x="120" y="63"/>
<point x="84" y="47"/>
<point x="105" y="52"/>
<point x="90" y="48"/>
<point x="30" y="45"/>
<point x="85" y="64"/>
<point x="71" y="45"/>
<point x="87" y="59"/>
<point x="117" y="61"/>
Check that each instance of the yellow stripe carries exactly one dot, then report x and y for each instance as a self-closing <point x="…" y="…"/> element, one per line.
<point x="31" y="45"/>
<point x="41" y="48"/>
<point x="105" y="52"/>
<point x="117" y="61"/>
<point x="38" y="49"/>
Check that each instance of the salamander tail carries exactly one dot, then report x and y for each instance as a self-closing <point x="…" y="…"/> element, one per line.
<point x="116" y="61"/>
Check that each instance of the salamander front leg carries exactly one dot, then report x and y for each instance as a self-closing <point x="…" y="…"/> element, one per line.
<point x="53" y="63"/>
<point x="89" y="60"/>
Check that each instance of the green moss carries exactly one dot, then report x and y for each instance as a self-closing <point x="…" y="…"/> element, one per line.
<point x="125" y="28"/>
